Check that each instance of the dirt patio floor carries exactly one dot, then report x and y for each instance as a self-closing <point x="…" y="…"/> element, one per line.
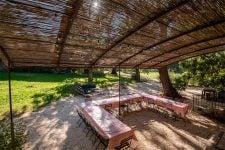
<point x="54" y="127"/>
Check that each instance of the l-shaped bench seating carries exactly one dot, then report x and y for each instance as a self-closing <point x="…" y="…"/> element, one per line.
<point x="111" y="128"/>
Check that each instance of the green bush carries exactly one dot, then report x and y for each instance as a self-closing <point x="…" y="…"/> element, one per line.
<point x="5" y="136"/>
<point x="205" y="71"/>
<point x="180" y="83"/>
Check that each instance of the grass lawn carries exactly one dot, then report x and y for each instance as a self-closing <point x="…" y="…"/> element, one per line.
<point x="155" y="75"/>
<point x="32" y="90"/>
<point x="150" y="75"/>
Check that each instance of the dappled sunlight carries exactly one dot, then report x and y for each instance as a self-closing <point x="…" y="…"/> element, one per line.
<point x="148" y="87"/>
<point x="205" y="122"/>
<point x="154" y="130"/>
<point x="55" y="126"/>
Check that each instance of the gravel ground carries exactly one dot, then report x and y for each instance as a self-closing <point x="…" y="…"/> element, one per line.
<point x="54" y="127"/>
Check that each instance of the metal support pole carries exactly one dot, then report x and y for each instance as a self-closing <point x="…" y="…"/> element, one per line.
<point x="119" y="92"/>
<point x="10" y="105"/>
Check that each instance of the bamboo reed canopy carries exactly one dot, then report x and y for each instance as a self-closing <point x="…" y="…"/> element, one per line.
<point x="109" y="33"/>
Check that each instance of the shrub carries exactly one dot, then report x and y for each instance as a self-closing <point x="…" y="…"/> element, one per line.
<point x="5" y="136"/>
<point x="180" y="83"/>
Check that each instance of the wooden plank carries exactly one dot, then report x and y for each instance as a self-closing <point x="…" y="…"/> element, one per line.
<point x="5" y="54"/>
<point x="149" y="20"/>
<point x="198" y="28"/>
<point x="184" y="46"/>
<point x="202" y="51"/>
<point x="61" y="39"/>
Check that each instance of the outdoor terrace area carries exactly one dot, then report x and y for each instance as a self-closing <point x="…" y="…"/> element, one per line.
<point x="119" y="35"/>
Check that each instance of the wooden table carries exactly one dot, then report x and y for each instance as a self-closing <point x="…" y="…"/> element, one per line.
<point x="114" y="101"/>
<point x="181" y="109"/>
<point x="107" y="125"/>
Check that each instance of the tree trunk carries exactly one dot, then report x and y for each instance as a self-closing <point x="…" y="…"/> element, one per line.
<point x="168" y="89"/>
<point x="137" y="75"/>
<point x="85" y="71"/>
<point x="90" y="76"/>
<point x="114" y="71"/>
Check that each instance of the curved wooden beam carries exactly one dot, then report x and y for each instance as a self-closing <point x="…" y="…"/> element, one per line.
<point x="62" y="35"/>
<point x="198" y="28"/>
<point x="184" y="46"/>
<point x="10" y="63"/>
<point x="202" y="49"/>
<point x="148" y="21"/>
<point x="5" y="53"/>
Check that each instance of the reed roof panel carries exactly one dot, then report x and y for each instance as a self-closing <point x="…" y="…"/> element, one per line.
<point x="105" y="33"/>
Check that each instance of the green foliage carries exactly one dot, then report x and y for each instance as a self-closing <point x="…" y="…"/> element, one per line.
<point x="5" y="136"/>
<point x="180" y="82"/>
<point x="207" y="70"/>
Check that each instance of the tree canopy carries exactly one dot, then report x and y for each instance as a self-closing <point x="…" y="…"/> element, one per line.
<point x="207" y="71"/>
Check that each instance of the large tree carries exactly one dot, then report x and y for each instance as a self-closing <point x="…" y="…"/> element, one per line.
<point x="168" y="89"/>
<point x="90" y="75"/>
<point x="114" y="71"/>
<point x="137" y="75"/>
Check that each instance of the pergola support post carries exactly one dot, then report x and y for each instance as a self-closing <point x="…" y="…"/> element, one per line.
<point x="119" y="92"/>
<point x="10" y="64"/>
<point x="168" y="89"/>
<point x="10" y="106"/>
<point x="90" y="75"/>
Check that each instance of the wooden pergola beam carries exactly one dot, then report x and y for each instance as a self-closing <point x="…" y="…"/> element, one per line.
<point x="38" y="7"/>
<point x="198" y="28"/>
<point x="10" y="63"/>
<point x="148" y="21"/>
<point x="5" y="53"/>
<point x="61" y="38"/>
<point x="202" y="49"/>
<point x="184" y="46"/>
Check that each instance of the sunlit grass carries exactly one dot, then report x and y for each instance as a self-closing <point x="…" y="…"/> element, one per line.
<point x="155" y="75"/>
<point x="32" y="90"/>
<point x="150" y="76"/>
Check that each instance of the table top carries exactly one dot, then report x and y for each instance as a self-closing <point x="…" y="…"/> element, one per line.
<point x="106" y="124"/>
<point x="116" y="99"/>
<point x="166" y="100"/>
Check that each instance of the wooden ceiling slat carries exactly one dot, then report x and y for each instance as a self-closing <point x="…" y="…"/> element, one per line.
<point x="197" y="28"/>
<point x="62" y="36"/>
<point x="7" y="58"/>
<point x="112" y="33"/>
<point x="149" y="20"/>
<point x="48" y="30"/>
<point x="184" y="46"/>
<point x="199" y="50"/>
<point x="37" y="6"/>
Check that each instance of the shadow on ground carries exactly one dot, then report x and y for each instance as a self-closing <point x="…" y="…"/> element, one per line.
<point x="55" y="127"/>
<point x="159" y="132"/>
<point x="46" y="97"/>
